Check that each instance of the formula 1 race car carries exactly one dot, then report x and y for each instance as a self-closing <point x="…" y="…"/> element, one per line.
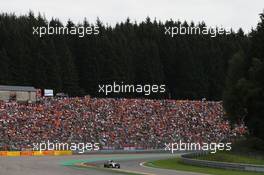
<point x="111" y="164"/>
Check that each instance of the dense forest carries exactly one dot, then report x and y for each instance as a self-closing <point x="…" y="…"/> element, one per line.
<point x="226" y="67"/>
<point x="191" y="66"/>
<point x="244" y="91"/>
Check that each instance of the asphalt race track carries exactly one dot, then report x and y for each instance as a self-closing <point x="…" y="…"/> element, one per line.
<point x="65" y="165"/>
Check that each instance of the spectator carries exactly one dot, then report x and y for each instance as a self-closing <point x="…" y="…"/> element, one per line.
<point x="113" y="122"/>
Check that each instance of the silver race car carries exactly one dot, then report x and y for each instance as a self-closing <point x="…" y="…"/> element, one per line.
<point x="111" y="164"/>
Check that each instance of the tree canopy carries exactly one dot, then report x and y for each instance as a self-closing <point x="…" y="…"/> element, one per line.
<point x="244" y="92"/>
<point x="191" y="67"/>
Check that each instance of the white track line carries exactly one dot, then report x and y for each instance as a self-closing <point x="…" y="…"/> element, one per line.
<point x="121" y="170"/>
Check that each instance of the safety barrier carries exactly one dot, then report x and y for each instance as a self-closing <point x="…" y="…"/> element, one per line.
<point x="13" y="153"/>
<point x="38" y="153"/>
<point x="26" y="153"/>
<point x="34" y="153"/>
<point x="3" y="153"/>
<point x="189" y="159"/>
<point x="48" y="153"/>
<point x="62" y="153"/>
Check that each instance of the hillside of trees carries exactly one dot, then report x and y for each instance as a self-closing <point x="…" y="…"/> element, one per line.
<point x="244" y="91"/>
<point x="191" y="66"/>
<point x="227" y="67"/>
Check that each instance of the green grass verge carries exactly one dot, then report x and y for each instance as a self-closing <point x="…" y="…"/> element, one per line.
<point x="177" y="164"/>
<point x="232" y="157"/>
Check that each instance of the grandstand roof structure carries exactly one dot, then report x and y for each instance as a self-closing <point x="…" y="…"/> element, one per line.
<point x="17" y="88"/>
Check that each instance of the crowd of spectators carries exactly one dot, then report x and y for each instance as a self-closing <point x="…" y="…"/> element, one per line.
<point x="114" y="123"/>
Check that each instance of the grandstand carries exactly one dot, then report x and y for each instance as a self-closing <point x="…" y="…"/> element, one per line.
<point x="114" y="123"/>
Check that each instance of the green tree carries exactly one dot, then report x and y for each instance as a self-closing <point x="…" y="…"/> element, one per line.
<point x="244" y="93"/>
<point x="4" y="67"/>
